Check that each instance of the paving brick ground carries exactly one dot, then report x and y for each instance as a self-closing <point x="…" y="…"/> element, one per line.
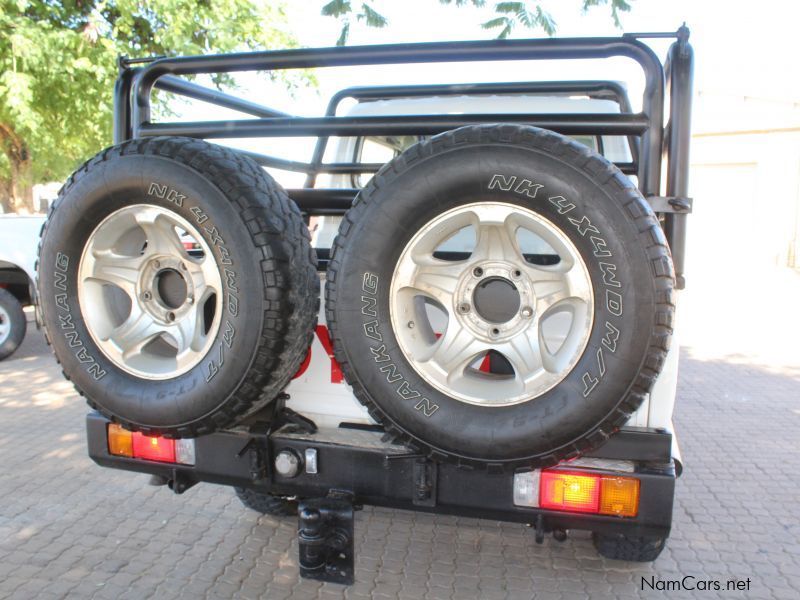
<point x="71" y="529"/>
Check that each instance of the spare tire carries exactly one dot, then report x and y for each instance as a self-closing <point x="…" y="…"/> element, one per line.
<point x="178" y="285"/>
<point x="500" y="296"/>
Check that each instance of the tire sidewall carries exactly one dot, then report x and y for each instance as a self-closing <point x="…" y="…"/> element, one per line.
<point x="171" y="185"/>
<point x="592" y="216"/>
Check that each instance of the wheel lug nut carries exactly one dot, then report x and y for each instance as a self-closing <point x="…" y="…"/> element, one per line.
<point x="477" y="271"/>
<point x="183" y="266"/>
<point x="156" y="264"/>
<point x="464" y="307"/>
<point x="147" y="296"/>
<point x="170" y="316"/>
<point x="494" y="332"/>
<point x="527" y="312"/>
<point x="411" y="324"/>
<point x="516" y="274"/>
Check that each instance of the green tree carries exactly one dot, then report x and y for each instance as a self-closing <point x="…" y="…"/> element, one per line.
<point x="58" y="66"/>
<point x="528" y="14"/>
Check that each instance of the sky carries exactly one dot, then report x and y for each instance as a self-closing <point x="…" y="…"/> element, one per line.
<point x="741" y="47"/>
<point x="743" y="50"/>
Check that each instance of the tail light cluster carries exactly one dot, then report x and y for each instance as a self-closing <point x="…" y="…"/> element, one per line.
<point x="582" y="492"/>
<point x="122" y="442"/>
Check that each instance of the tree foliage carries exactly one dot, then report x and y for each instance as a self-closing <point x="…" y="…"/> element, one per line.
<point x="58" y="66"/>
<point x="528" y="14"/>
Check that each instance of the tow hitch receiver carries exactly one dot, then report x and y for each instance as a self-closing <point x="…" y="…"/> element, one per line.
<point x="325" y="533"/>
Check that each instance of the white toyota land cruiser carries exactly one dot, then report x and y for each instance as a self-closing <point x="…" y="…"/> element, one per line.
<point x="495" y="335"/>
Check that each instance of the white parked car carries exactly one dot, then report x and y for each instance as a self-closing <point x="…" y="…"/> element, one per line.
<point x="19" y="240"/>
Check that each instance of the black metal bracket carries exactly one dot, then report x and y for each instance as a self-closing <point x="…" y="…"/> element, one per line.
<point x="539" y="529"/>
<point x="286" y="416"/>
<point x="257" y="446"/>
<point x="257" y="450"/>
<point x="179" y="482"/>
<point x="325" y="535"/>
<point x="425" y="476"/>
<point x="670" y="204"/>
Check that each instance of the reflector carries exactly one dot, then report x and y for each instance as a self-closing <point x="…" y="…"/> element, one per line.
<point x="184" y="452"/>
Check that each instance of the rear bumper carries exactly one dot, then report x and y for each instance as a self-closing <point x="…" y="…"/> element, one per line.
<point x="357" y="463"/>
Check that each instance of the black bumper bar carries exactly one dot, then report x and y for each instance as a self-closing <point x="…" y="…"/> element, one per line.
<point x="358" y="464"/>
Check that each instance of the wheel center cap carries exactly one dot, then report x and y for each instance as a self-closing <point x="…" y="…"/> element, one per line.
<point x="496" y="299"/>
<point x="171" y="287"/>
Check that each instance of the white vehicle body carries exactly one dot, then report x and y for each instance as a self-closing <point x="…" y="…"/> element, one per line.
<point x="319" y="391"/>
<point x="19" y="240"/>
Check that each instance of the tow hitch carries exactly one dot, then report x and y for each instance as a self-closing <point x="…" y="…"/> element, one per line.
<point x="325" y="533"/>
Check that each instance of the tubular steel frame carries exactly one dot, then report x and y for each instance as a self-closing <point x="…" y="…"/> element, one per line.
<point x="645" y="130"/>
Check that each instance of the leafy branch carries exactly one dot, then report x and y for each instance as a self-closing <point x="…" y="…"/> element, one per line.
<point x="528" y="14"/>
<point x="343" y="11"/>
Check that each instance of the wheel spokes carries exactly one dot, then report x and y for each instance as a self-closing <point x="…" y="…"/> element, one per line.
<point x="205" y="276"/>
<point x="187" y="330"/>
<point x="160" y="331"/>
<point x="556" y="286"/>
<point x="497" y="241"/>
<point x="495" y="301"/>
<point x="456" y="349"/>
<point x="138" y="330"/>
<point x="523" y="351"/>
<point x="438" y="279"/>
<point x="162" y="237"/>
<point x="115" y="269"/>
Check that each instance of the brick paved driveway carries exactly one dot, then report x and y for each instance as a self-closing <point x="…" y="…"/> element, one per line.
<point x="71" y="529"/>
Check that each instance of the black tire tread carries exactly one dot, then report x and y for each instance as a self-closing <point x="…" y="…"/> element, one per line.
<point x="628" y="548"/>
<point x="604" y="173"/>
<point x="269" y="214"/>
<point x="266" y="504"/>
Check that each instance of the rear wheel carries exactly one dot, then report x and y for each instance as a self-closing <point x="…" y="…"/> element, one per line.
<point x="628" y="548"/>
<point x="12" y="324"/>
<point x="267" y="504"/>
<point x="178" y="285"/>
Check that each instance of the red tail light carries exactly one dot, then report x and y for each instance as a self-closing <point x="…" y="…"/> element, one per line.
<point x="153" y="448"/>
<point x="562" y="490"/>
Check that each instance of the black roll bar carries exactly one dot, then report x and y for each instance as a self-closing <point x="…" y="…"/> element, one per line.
<point x="680" y="69"/>
<point x="570" y="124"/>
<point x="495" y="50"/>
<point x="602" y="89"/>
<point x="176" y="85"/>
<point x="132" y="112"/>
